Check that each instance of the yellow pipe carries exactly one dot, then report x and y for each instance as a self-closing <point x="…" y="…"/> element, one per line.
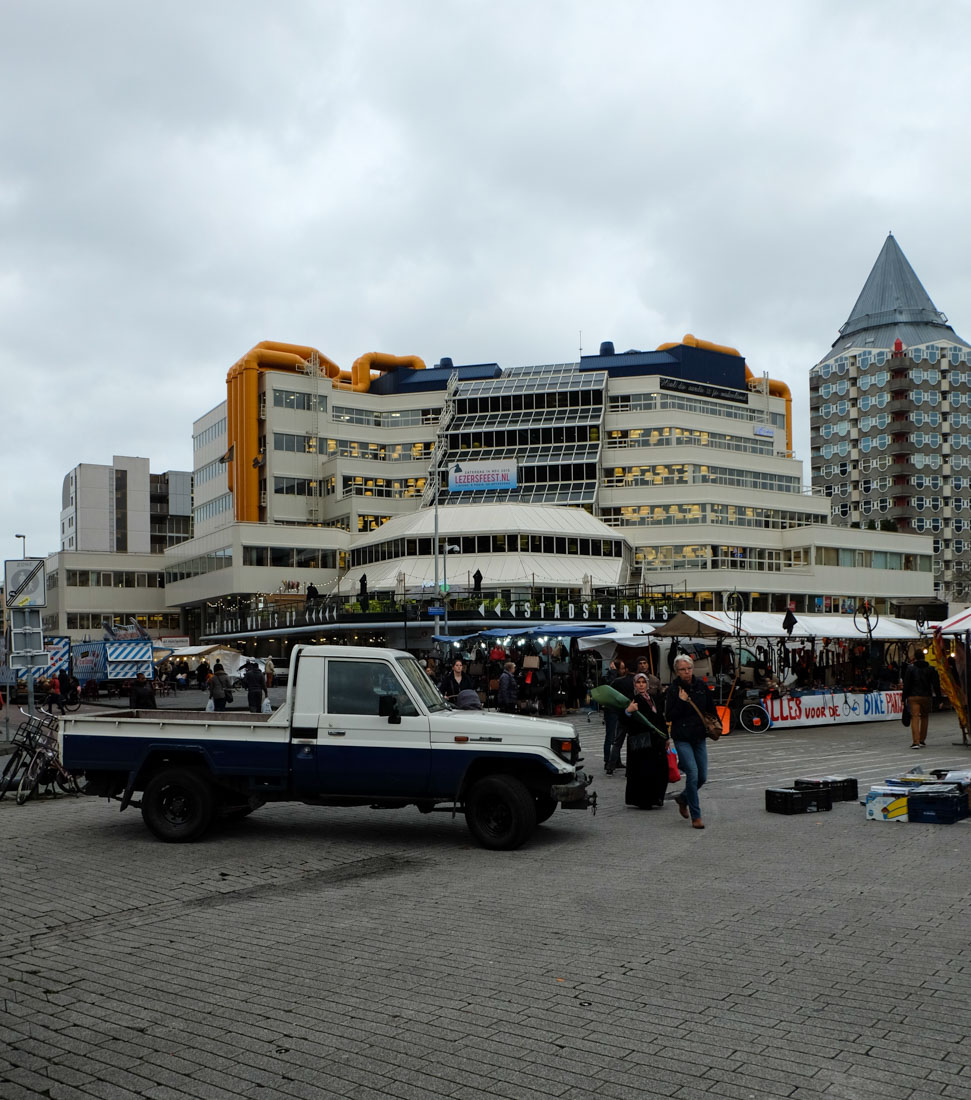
<point x="242" y="415"/>
<point x="706" y="345"/>
<point x="242" y="406"/>
<point x="358" y="379"/>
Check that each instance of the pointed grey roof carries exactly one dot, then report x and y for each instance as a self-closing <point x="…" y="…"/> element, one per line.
<point x="892" y="304"/>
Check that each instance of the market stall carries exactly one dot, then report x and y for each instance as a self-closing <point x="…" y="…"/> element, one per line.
<point x="811" y="669"/>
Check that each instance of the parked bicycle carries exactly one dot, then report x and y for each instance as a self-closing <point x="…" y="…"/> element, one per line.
<point x="35" y="761"/>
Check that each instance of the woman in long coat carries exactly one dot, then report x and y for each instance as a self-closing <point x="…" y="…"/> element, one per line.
<point x="647" y="761"/>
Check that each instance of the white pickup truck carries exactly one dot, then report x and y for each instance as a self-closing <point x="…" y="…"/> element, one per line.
<point x="360" y="727"/>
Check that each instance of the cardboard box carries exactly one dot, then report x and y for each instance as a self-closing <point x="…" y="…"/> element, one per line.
<point x="886" y="803"/>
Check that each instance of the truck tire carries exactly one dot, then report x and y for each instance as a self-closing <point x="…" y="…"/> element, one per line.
<point x="500" y="812"/>
<point x="545" y="807"/>
<point x="178" y="805"/>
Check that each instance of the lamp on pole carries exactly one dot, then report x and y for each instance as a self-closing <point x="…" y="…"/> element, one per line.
<point x="449" y="548"/>
<point x="23" y="545"/>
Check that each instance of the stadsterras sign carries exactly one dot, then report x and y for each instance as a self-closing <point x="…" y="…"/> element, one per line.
<point x="466" y="476"/>
<point x="593" y="610"/>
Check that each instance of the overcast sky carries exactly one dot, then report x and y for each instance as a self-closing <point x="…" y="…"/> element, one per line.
<point x="483" y="179"/>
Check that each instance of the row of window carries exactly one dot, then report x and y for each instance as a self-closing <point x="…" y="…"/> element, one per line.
<point x="690" y="473"/>
<point x="472" y="545"/>
<point x="528" y="402"/>
<point x="646" y="515"/>
<point x="209" y="471"/>
<point x="210" y="434"/>
<point x="401" y="418"/>
<point x="212" y="508"/>
<point x="290" y="557"/>
<point x="707" y="556"/>
<point x="653" y="402"/>
<point x="297" y="399"/>
<point x="115" y="578"/>
<point x="350" y="448"/>
<point x="661" y="437"/>
<point x="205" y="563"/>
<point x="97" y="620"/>
<point x="865" y="360"/>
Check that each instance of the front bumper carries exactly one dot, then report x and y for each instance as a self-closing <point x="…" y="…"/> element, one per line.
<point x="576" y="795"/>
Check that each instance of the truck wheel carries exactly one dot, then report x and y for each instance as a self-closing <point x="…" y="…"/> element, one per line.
<point x="178" y="805"/>
<point x="545" y="807"/>
<point x="500" y="812"/>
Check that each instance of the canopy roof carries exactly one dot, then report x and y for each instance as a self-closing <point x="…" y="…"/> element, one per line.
<point x="958" y="623"/>
<point x="763" y="624"/>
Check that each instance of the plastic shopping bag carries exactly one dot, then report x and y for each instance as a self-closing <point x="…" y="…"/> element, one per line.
<point x="673" y="774"/>
<point x="210" y="705"/>
<point x="267" y="707"/>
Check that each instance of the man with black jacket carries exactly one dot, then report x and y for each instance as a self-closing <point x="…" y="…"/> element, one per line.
<point x="255" y="686"/>
<point x="922" y="686"/>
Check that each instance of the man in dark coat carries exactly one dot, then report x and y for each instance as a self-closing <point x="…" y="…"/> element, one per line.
<point x="255" y="686"/>
<point x="922" y="686"/>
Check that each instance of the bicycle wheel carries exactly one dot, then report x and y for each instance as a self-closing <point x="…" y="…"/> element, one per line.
<point x="67" y="782"/>
<point x="72" y="702"/>
<point x="754" y="718"/>
<point x="9" y="778"/>
<point x="30" y="778"/>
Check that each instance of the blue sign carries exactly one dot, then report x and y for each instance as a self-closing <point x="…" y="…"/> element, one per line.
<point x="436" y="611"/>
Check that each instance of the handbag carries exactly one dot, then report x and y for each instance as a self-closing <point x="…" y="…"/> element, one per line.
<point x="905" y="713"/>
<point x="712" y="724"/>
<point x="673" y="774"/>
<point x="229" y="696"/>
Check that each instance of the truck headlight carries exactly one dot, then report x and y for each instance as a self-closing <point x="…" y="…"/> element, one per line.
<point x="566" y="748"/>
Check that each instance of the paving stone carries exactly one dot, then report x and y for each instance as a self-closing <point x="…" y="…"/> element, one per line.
<point x="612" y="957"/>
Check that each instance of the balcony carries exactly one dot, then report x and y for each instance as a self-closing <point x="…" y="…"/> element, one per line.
<point x="900" y="404"/>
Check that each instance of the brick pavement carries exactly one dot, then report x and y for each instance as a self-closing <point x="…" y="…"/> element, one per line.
<point x="333" y="953"/>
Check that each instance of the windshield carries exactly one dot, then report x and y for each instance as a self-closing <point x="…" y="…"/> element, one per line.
<point x="429" y="694"/>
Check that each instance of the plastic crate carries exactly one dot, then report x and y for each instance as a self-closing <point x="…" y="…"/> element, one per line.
<point x="842" y="788"/>
<point x="788" y="800"/>
<point x="938" y="807"/>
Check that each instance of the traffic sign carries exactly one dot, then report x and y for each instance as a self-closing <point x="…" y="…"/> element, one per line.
<point x="436" y="611"/>
<point x="25" y="584"/>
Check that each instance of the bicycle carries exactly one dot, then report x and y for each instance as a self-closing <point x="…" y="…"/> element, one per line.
<point x="25" y="743"/>
<point x="45" y="767"/>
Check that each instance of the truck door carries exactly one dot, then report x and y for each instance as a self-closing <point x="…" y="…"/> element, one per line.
<point x="360" y="751"/>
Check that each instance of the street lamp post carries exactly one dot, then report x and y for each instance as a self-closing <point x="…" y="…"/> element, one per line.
<point x="23" y="545"/>
<point x="449" y="548"/>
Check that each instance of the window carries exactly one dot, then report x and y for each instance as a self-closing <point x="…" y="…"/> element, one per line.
<point x="356" y="687"/>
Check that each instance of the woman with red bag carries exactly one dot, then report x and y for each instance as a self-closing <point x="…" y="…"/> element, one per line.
<point x="647" y="762"/>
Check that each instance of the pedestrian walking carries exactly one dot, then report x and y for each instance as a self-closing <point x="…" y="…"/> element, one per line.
<point x="647" y="744"/>
<point x="620" y="680"/>
<point x="142" y="694"/>
<point x="508" y="693"/>
<point x="255" y="686"/>
<point x="688" y="733"/>
<point x="922" y="686"/>
<point x="219" y="687"/>
<point x="268" y="671"/>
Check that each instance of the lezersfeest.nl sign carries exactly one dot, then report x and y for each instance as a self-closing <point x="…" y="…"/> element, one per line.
<point x="467" y="476"/>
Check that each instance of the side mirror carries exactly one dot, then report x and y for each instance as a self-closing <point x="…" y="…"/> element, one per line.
<point x="388" y="708"/>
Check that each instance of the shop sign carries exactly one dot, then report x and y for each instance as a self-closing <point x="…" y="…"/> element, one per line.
<point x="833" y="708"/>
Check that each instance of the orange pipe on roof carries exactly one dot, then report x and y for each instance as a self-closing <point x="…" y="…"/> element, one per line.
<point x="358" y="379"/>
<point x="706" y="345"/>
<point x="242" y="415"/>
